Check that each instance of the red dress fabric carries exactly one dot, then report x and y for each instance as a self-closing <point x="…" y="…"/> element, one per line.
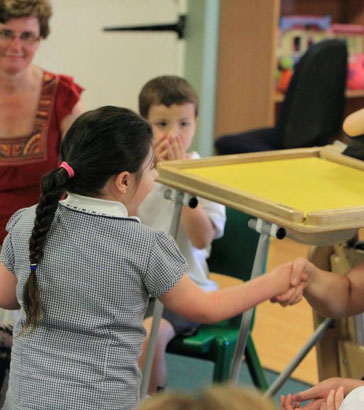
<point x="24" y="160"/>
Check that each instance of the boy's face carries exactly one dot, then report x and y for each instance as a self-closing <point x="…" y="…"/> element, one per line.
<point x="175" y="121"/>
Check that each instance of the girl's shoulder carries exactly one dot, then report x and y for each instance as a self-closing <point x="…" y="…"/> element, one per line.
<point x="20" y="216"/>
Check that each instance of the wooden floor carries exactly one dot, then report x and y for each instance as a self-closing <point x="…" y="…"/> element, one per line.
<point x="279" y="333"/>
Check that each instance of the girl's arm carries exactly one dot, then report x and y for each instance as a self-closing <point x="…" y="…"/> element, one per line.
<point x="331" y="294"/>
<point x="8" y="282"/>
<point x="191" y="302"/>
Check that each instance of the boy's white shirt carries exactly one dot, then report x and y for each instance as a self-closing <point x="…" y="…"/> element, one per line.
<point x="156" y="211"/>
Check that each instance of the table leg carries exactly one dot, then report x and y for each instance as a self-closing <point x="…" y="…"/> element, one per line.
<point x="180" y="199"/>
<point x="266" y="230"/>
<point x="340" y="352"/>
<point x="158" y="308"/>
<point x="285" y="374"/>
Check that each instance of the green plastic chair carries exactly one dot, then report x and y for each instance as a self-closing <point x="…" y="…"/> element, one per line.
<point x="232" y="256"/>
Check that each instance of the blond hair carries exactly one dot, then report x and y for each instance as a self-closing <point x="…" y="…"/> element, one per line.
<point x="40" y="9"/>
<point x="218" y="397"/>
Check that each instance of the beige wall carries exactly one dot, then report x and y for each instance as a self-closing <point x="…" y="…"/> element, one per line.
<point x="111" y="66"/>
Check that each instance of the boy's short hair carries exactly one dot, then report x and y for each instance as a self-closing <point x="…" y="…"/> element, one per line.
<point x="166" y="90"/>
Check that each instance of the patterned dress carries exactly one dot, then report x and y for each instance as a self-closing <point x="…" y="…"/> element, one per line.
<point x="25" y="159"/>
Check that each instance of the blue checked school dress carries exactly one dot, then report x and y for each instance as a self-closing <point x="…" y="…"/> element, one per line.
<point x="95" y="277"/>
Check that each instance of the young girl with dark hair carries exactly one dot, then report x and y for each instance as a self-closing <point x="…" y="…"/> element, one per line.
<point x="83" y="278"/>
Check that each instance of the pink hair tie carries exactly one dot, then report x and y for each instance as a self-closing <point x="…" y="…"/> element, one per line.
<point x="68" y="168"/>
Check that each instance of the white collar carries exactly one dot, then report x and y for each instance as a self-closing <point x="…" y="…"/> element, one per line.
<point x="96" y="205"/>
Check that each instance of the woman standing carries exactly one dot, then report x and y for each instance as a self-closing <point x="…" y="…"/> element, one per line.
<point x="36" y="109"/>
<point x="36" y="106"/>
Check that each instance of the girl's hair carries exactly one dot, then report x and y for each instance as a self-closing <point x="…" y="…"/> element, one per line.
<point x="217" y="397"/>
<point x="40" y="9"/>
<point x="100" y="143"/>
<point x="166" y="90"/>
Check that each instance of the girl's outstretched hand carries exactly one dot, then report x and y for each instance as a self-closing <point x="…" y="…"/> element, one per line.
<point x="301" y="273"/>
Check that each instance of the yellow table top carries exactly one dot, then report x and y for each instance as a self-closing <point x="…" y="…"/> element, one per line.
<point x="309" y="184"/>
<point x="307" y="190"/>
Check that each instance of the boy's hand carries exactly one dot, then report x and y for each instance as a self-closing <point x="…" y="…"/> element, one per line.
<point x="301" y="273"/>
<point x="161" y="148"/>
<point x="169" y="148"/>
<point x="176" y="149"/>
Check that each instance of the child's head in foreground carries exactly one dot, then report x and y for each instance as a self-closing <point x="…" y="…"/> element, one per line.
<point x="170" y="104"/>
<point x="218" y="397"/>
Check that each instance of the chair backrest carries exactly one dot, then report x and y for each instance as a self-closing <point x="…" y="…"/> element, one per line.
<point x="312" y="111"/>
<point x="234" y="253"/>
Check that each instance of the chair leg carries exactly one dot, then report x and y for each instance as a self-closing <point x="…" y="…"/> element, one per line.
<point x="254" y="366"/>
<point x="224" y="354"/>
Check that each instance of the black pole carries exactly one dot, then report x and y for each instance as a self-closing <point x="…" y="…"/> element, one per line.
<point x="178" y="27"/>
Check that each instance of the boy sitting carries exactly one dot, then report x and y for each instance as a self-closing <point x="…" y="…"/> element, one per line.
<point x="170" y="104"/>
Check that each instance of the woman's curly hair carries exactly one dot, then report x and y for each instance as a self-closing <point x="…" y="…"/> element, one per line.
<point x="40" y="9"/>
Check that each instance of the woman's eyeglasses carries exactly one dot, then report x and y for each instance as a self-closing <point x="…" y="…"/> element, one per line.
<point x="27" y="38"/>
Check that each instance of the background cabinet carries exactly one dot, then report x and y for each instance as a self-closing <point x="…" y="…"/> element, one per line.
<point x="246" y="95"/>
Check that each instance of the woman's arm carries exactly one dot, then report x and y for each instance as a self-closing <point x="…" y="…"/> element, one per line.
<point x="68" y="120"/>
<point x="8" y="282"/>
<point x="191" y="302"/>
<point x="331" y="294"/>
<point x="337" y="296"/>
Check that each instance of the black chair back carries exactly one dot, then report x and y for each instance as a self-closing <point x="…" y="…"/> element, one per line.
<point x="312" y="111"/>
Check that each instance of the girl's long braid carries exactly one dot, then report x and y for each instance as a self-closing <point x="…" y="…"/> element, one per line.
<point x="52" y="189"/>
<point x="100" y="144"/>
